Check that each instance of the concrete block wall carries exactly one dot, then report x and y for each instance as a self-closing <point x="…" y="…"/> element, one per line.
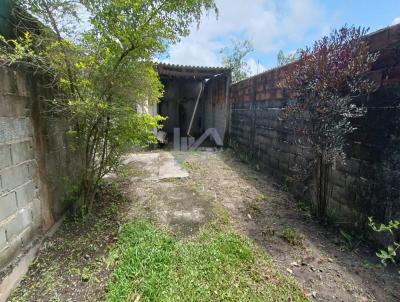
<point x="19" y="208"/>
<point x="34" y="161"/>
<point x="358" y="189"/>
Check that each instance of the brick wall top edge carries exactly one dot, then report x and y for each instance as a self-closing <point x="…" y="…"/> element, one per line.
<point x="378" y="40"/>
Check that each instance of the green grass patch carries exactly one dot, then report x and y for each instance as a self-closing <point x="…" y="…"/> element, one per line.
<point x="292" y="236"/>
<point x="215" y="266"/>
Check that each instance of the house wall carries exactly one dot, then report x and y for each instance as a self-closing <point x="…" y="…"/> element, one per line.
<point x="35" y="163"/>
<point x="179" y="102"/>
<point x="366" y="184"/>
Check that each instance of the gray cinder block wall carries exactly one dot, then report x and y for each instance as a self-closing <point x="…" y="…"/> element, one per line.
<point x="34" y="164"/>
<point x="366" y="184"/>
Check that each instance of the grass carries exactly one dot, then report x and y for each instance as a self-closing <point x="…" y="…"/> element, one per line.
<point x="217" y="265"/>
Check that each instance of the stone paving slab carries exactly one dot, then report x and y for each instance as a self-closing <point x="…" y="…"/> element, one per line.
<point x="158" y="166"/>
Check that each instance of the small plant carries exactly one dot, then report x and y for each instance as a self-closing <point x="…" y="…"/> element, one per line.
<point x="286" y="184"/>
<point x="351" y="242"/>
<point x="260" y="197"/>
<point x="331" y="216"/>
<point x="292" y="236"/>
<point x="303" y="205"/>
<point x="390" y="253"/>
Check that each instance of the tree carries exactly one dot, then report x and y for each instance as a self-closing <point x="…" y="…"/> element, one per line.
<point x="233" y="58"/>
<point x="284" y="59"/>
<point x="328" y="83"/>
<point x="101" y="72"/>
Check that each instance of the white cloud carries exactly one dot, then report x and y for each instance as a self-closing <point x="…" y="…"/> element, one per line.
<point x="396" y="21"/>
<point x="192" y="52"/>
<point x="268" y="24"/>
<point x="255" y="67"/>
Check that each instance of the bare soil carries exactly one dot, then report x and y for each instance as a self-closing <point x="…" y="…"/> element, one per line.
<point x="324" y="264"/>
<point x="73" y="266"/>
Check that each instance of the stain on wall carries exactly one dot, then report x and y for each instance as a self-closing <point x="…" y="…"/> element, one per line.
<point x="35" y="163"/>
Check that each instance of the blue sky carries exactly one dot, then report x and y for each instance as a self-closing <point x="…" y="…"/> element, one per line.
<point x="272" y="25"/>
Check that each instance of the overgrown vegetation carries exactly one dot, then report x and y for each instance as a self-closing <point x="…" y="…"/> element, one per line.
<point x="329" y="85"/>
<point x="216" y="266"/>
<point x="100" y="70"/>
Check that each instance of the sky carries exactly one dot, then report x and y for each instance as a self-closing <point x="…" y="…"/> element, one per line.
<point x="273" y="25"/>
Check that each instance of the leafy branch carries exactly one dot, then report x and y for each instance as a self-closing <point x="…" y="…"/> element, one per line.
<point x="390" y="253"/>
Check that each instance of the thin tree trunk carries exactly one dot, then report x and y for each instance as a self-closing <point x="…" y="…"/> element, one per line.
<point x="322" y="183"/>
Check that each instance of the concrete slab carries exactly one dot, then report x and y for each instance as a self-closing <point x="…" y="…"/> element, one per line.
<point x="157" y="165"/>
<point x="169" y="167"/>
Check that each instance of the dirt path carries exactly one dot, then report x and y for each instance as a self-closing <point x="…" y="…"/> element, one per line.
<point x="185" y="191"/>
<point x="318" y="258"/>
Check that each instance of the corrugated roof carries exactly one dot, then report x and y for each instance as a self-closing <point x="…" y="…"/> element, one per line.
<point x="188" y="71"/>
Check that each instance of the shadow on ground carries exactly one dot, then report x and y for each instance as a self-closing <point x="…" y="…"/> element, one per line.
<point x="182" y="192"/>
<point x="318" y="257"/>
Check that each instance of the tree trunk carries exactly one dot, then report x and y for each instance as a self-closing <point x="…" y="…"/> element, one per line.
<point x="322" y="185"/>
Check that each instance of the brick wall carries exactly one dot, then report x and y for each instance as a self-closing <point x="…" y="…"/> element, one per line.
<point x="33" y="163"/>
<point x="357" y="187"/>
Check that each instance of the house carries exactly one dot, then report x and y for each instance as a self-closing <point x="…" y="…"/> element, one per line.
<point x="195" y="99"/>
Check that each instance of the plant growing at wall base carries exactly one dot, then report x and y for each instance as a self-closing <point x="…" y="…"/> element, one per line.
<point x="390" y="253"/>
<point x="101" y="70"/>
<point x="328" y="83"/>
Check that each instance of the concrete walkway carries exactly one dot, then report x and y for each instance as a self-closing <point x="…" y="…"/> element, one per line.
<point x="161" y="189"/>
<point x="157" y="165"/>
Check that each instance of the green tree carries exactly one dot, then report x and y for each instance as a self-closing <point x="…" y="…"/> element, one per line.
<point x="102" y="70"/>
<point x="233" y="58"/>
<point x="284" y="59"/>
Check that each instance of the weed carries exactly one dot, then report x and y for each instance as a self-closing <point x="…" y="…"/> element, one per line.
<point x="331" y="216"/>
<point x="303" y="205"/>
<point x="260" y="197"/>
<point x="187" y="166"/>
<point x="221" y="215"/>
<point x="255" y="207"/>
<point x="292" y="236"/>
<point x="368" y="265"/>
<point x="351" y="241"/>
<point x="286" y="184"/>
